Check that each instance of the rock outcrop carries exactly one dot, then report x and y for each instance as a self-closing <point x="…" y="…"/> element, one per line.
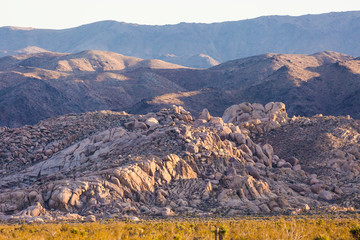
<point x="110" y="165"/>
<point x="256" y="117"/>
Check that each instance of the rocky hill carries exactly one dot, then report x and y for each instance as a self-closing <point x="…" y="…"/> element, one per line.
<point x="325" y="82"/>
<point x="221" y="41"/>
<point x="253" y="159"/>
<point x="38" y="86"/>
<point x="43" y="85"/>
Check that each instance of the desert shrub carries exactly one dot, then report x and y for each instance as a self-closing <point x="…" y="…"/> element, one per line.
<point x="223" y="230"/>
<point x="322" y="237"/>
<point x="355" y="232"/>
<point x="74" y="231"/>
<point x="64" y="228"/>
<point x="220" y="231"/>
<point x="242" y="228"/>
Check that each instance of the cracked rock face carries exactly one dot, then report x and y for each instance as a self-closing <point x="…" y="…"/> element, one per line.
<point x="109" y="164"/>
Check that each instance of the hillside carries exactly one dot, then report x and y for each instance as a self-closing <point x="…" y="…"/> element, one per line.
<point x="42" y="85"/>
<point x="39" y="86"/>
<point x="325" y="82"/>
<point x="189" y="41"/>
<point x="114" y="165"/>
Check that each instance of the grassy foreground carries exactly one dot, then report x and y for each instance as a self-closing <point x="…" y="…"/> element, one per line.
<point x="320" y="227"/>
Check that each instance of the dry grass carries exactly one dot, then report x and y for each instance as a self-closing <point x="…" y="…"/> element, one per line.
<point x="324" y="227"/>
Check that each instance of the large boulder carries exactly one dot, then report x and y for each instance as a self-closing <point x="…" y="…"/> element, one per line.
<point x="272" y="116"/>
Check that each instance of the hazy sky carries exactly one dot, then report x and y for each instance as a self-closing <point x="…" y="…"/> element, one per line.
<point x="71" y="13"/>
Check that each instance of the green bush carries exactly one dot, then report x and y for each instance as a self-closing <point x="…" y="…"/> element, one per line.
<point x="74" y="231"/>
<point x="223" y="230"/>
<point x="355" y="232"/>
<point x="322" y="237"/>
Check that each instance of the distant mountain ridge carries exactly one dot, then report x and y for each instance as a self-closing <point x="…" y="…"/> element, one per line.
<point x="222" y="42"/>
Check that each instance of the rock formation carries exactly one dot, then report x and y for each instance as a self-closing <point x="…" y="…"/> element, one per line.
<point x="169" y="163"/>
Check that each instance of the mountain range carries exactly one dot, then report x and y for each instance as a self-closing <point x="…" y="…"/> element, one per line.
<point x="196" y="44"/>
<point x="42" y="85"/>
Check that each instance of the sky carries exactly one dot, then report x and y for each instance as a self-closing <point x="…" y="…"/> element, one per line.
<point x="62" y="14"/>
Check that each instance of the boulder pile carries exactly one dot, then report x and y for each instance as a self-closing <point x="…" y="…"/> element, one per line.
<point x="111" y="165"/>
<point x="256" y="117"/>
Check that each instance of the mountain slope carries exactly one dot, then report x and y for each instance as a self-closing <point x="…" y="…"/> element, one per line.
<point x="326" y="82"/>
<point x="38" y="86"/>
<point x="221" y="41"/>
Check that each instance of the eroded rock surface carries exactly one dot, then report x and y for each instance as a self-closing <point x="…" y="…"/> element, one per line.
<point x="109" y="164"/>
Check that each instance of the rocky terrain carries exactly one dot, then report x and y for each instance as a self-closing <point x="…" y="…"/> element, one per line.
<point x="42" y="85"/>
<point x="337" y="31"/>
<point x="253" y="159"/>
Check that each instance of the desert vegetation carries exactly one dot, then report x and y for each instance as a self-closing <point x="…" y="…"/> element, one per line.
<point x="274" y="227"/>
